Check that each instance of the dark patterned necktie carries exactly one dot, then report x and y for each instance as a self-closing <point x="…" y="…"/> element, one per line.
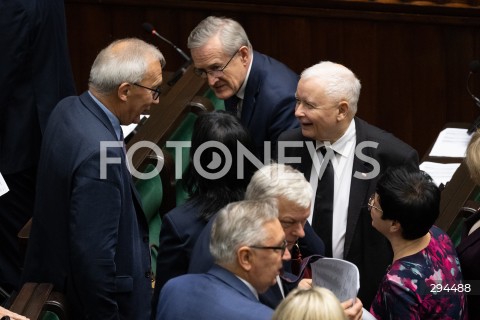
<point x="322" y="221"/>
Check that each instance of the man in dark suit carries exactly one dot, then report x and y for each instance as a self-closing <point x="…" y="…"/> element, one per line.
<point x="327" y="96"/>
<point x="293" y="195"/>
<point x="35" y="74"/>
<point x="89" y="235"/>
<point x="248" y="245"/>
<point x="257" y="88"/>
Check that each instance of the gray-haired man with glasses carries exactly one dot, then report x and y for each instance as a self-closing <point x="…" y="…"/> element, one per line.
<point x="248" y="245"/>
<point x="89" y="235"/>
<point x="258" y="89"/>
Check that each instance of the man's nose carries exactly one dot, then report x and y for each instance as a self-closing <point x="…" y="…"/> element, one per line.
<point x="299" y="232"/>
<point x="211" y="79"/>
<point x="286" y="255"/>
<point x="299" y="111"/>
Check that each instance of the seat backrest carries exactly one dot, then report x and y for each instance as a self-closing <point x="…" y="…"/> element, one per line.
<point x="151" y="193"/>
<point x="39" y="301"/>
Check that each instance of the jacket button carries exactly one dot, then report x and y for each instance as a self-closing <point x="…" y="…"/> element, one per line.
<point x="148" y="274"/>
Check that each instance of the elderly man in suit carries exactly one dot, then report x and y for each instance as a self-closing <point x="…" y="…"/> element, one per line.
<point x="356" y="153"/>
<point x="89" y="235"/>
<point x="248" y="245"/>
<point x="293" y="194"/>
<point x="257" y="88"/>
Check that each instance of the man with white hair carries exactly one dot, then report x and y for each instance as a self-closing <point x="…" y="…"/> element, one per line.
<point x="356" y="154"/>
<point x="248" y="245"/>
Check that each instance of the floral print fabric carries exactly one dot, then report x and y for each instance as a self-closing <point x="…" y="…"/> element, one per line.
<point x="425" y="285"/>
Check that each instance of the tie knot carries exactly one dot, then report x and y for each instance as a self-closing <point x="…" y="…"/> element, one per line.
<point x="323" y="150"/>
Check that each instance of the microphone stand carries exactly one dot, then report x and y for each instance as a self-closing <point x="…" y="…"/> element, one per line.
<point x="179" y="73"/>
<point x="476" y="124"/>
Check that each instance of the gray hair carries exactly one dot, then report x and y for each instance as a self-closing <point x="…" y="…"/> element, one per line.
<point x="280" y="181"/>
<point x="339" y="82"/>
<point x="240" y="224"/>
<point x="124" y="60"/>
<point x="231" y="34"/>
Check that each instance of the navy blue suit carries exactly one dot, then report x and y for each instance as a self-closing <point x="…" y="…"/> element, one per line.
<point x="201" y="260"/>
<point x="35" y="75"/>
<point x="268" y="107"/>
<point x="89" y="235"/>
<point x="180" y="229"/>
<point x="215" y="295"/>
<point x="364" y="246"/>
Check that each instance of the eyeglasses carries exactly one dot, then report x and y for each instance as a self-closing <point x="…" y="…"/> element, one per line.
<point x="214" y="73"/>
<point x="155" y="92"/>
<point x="371" y="202"/>
<point x="282" y="248"/>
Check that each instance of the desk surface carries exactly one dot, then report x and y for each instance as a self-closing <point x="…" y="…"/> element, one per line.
<point x="457" y="191"/>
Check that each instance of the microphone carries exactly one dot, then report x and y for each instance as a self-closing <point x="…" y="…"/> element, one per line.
<point x="474" y="68"/>
<point x="150" y="29"/>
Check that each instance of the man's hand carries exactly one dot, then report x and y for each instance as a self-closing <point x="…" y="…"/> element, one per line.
<point x="353" y="310"/>
<point x="12" y="315"/>
<point x="305" y="284"/>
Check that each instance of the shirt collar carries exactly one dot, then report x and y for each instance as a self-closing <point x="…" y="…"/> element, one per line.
<point x="341" y="145"/>
<point x="113" y="119"/>
<point x="255" y="293"/>
<point x="241" y="92"/>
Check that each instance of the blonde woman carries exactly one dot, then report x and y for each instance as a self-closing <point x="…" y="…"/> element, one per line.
<point x="310" y="304"/>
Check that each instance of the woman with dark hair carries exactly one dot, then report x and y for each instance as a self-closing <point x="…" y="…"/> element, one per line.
<point x="424" y="280"/>
<point x="212" y="179"/>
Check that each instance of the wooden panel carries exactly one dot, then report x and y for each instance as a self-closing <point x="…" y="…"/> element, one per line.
<point x="412" y="58"/>
<point x="166" y="116"/>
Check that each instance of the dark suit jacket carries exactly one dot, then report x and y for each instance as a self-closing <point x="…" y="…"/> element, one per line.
<point x="201" y="260"/>
<point x="180" y="230"/>
<point x="35" y="75"/>
<point x="215" y="295"/>
<point x="469" y="255"/>
<point x="268" y="107"/>
<point x="89" y="235"/>
<point x="364" y="245"/>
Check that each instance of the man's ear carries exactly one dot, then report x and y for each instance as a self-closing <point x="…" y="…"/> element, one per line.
<point x="124" y="90"/>
<point x="245" y="54"/>
<point x="343" y="110"/>
<point x="244" y="257"/>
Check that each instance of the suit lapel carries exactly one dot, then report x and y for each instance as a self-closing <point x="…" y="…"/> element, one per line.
<point x="92" y="106"/>
<point x="358" y="189"/>
<point x="251" y="90"/>
<point x="232" y="281"/>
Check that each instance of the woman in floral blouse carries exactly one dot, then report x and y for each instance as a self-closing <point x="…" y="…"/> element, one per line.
<point x="424" y="280"/>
